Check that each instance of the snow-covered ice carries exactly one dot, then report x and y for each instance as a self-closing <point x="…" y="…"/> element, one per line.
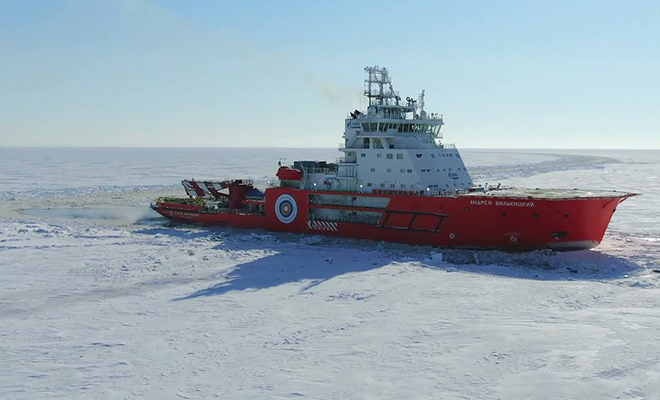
<point x="101" y="298"/>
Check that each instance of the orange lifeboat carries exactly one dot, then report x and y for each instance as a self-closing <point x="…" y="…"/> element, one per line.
<point x="289" y="174"/>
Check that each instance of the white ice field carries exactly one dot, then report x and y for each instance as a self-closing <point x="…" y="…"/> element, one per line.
<point x="102" y="299"/>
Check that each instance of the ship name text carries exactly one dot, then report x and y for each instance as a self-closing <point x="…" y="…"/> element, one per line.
<point x="183" y="214"/>
<point x="506" y="203"/>
<point x="515" y="203"/>
<point x="481" y="202"/>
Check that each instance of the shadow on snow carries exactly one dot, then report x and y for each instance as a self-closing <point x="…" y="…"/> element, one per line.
<point x="315" y="259"/>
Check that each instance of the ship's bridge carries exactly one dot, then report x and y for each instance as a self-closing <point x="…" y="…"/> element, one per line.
<point x="386" y="126"/>
<point x="396" y="144"/>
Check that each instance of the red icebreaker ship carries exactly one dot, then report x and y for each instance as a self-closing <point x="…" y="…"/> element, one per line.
<point x="398" y="182"/>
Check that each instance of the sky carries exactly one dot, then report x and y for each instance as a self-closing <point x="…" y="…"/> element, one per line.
<point x="218" y="73"/>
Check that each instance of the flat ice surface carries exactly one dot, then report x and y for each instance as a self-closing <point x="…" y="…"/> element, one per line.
<point x="102" y="298"/>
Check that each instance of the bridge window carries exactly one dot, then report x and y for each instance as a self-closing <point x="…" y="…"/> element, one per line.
<point x="389" y="156"/>
<point x="374" y="126"/>
<point x="365" y="127"/>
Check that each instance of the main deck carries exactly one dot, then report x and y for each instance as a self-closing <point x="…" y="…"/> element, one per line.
<point x="549" y="194"/>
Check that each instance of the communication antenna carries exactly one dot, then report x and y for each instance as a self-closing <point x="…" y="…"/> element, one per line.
<point x="420" y="105"/>
<point x="379" y="88"/>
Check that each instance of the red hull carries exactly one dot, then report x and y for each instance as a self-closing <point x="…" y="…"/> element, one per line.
<point x="467" y="221"/>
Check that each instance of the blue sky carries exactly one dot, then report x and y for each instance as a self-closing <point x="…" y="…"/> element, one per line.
<point x="507" y="74"/>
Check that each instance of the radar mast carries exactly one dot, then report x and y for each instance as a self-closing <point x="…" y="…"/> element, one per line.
<point x="379" y="89"/>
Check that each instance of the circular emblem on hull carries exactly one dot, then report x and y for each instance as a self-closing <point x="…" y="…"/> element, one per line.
<point x="286" y="208"/>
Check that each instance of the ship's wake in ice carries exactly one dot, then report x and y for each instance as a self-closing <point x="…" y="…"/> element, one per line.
<point x="517" y="165"/>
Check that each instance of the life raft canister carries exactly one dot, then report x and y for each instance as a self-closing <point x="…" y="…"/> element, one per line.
<point x="289" y="174"/>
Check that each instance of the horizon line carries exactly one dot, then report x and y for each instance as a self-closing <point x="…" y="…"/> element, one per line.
<point x="307" y="147"/>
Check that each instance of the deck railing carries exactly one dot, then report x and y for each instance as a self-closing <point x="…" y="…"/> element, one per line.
<point x="354" y="220"/>
<point x="397" y="146"/>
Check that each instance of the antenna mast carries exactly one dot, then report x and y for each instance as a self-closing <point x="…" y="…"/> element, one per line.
<point x="379" y="87"/>
<point x="420" y="105"/>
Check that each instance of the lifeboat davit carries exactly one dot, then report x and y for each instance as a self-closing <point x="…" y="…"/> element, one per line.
<point x="289" y="174"/>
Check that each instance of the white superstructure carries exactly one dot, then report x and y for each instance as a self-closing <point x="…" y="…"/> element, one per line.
<point x="395" y="145"/>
